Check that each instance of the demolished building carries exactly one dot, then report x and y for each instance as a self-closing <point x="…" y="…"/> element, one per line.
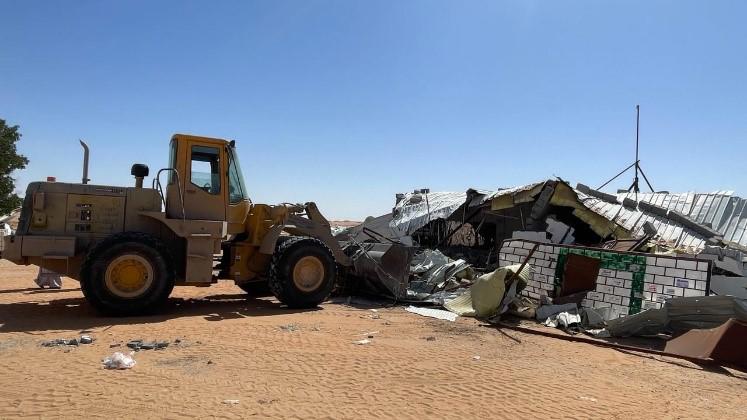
<point x="475" y="225"/>
<point x="589" y="261"/>
<point x="687" y="223"/>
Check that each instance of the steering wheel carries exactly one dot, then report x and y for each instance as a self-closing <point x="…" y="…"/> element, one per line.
<point x="207" y="187"/>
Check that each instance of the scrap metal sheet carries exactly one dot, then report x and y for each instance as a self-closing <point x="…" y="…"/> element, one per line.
<point x="417" y="210"/>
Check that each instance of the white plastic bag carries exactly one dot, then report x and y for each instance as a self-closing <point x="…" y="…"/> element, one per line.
<point x="119" y="361"/>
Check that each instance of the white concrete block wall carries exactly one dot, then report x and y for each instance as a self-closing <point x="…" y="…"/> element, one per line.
<point x="543" y="263"/>
<point x="663" y="277"/>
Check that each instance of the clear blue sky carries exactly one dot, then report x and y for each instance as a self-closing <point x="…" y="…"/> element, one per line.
<point x="347" y="103"/>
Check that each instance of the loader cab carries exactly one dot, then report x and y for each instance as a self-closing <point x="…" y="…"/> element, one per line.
<point x="208" y="175"/>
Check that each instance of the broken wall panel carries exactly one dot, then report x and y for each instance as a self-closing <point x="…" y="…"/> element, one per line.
<point x="627" y="282"/>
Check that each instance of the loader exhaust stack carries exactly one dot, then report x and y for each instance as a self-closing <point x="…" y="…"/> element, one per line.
<point x="85" y="162"/>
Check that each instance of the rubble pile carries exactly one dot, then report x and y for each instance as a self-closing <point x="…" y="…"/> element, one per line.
<point x="576" y="259"/>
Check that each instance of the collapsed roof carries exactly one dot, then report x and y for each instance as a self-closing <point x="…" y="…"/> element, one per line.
<point x="687" y="221"/>
<point x="521" y="208"/>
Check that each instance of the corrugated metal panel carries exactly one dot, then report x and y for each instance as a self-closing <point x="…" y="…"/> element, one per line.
<point x="509" y="191"/>
<point x="634" y="220"/>
<point x="721" y="210"/>
<point x="416" y="210"/>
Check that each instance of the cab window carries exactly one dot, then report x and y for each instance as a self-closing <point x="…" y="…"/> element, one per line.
<point x="205" y="168"/>
<point x="236" y="189"/>
<point x="172" y="160"/>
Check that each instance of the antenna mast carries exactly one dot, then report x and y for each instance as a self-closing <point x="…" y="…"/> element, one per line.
<point x="637" y="163"/>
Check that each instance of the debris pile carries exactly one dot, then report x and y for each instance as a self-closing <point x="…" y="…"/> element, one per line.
<point x="83" y="339"/>
<point x="138" y="345"/>
<point x="576" y="259"/>
<point x="432" y="274"/>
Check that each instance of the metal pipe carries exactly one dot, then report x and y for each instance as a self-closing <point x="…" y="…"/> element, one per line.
<point x="646" y="179"/>
<point x="637" y="161"/>
<point x="85" y="161"/>
<point x="615" y="177"/>
<point x="157" y="181"/>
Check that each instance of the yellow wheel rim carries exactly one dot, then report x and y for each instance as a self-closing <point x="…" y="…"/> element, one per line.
<point x="128" y="276"/>
<point x="308" y="274"/>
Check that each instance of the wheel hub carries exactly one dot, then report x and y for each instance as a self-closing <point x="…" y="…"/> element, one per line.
<point x="129" y="275"/>
<point x="308" y="274"/>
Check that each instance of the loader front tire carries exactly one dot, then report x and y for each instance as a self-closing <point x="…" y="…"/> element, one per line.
<point x="302" y="272"/>
<point x="127" y="274"/>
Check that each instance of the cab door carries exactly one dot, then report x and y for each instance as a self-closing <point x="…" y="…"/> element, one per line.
<point x="205" y="189"/>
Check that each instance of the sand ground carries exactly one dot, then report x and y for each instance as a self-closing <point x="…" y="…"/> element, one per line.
<point x="279" y="363"/>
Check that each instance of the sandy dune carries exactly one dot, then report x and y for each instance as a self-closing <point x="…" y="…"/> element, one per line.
<point x="284" y="364"/>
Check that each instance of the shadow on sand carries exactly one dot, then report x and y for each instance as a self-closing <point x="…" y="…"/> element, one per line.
<point x="35" y="290"/>
<point x="77" y="314"/>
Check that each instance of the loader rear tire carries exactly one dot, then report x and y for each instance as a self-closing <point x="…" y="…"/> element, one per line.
<point x="127" y="274"/>
<point x="302" y="272"/>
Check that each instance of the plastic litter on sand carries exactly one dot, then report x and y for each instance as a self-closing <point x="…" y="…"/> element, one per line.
<point x="119" y="361"/>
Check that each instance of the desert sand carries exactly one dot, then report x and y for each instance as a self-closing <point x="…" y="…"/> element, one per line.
<point x="241" y="358"/>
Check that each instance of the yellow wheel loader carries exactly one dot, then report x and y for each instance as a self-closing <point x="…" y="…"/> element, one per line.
<point x="129" y="246"/>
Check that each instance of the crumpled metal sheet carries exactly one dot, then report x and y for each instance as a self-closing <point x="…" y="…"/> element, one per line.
<point x="439" y="298"/>
<point x="417" y="210"/>
<point x="383" y="268"/>
<point x="433" y="267"/>
<point x="427" y="260"/>
<point x="430" y="271"/>
<point x="374" y="229"/>
<point x="679" y="315"/>
<point x="486" y="294"/>
<point x="433" y="313"/>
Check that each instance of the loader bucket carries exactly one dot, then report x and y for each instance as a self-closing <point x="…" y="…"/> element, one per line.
<point x="382" y="268"/>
